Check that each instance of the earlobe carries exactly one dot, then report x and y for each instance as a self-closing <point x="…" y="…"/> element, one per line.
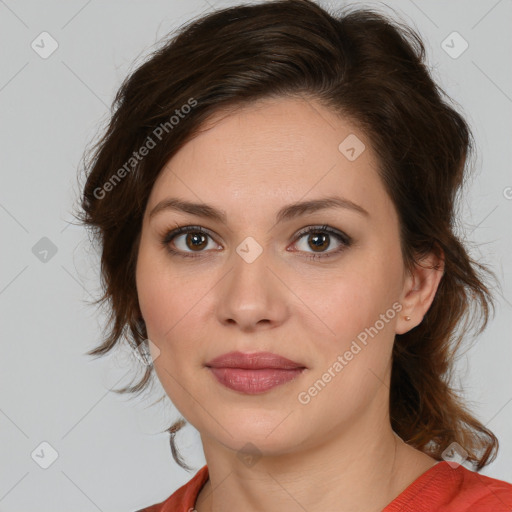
<point x="419" y="291"/>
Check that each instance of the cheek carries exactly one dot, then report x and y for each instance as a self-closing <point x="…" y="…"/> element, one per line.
<point x="172" y="303"/>
<point x="164" y="296"/>
<point x="154" y="299"/>
<point x="352" y="343"/>
<point x="341" y="302"/>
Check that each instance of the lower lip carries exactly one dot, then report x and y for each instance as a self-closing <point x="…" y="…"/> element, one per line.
<point x="254" y="381"/>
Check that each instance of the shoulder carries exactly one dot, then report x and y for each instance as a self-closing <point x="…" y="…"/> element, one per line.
<point x="446" y="487"/>
<point x="483" y="493"/>
<point x="184" y="498"/>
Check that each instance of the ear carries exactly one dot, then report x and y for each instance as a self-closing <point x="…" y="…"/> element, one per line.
<point x="419" y="290"/>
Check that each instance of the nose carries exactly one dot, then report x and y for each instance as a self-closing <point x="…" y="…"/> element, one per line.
<point x="252" y="296"/>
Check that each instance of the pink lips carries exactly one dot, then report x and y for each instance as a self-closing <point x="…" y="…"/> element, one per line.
<point x="253" y="373"/>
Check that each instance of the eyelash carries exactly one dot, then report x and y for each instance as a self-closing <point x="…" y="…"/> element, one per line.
<point x="345" y="240"/>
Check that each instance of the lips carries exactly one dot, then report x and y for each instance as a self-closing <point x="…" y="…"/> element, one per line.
<point x="255" y="373"/>
<point x="254" y="361"/>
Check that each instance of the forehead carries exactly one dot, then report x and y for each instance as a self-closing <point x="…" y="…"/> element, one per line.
<point x="272" y="152"/>
<point x="276" y="133"/>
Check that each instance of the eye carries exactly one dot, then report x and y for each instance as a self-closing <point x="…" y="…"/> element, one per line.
<point x="194" y="239"/>
<point x="187" y="239"/>
<point x="318" y="238"/>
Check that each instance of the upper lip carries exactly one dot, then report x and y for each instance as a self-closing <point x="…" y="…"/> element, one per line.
<point x="255" y="360"/>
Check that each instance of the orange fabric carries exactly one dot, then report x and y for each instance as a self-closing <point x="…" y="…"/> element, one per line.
<point x="440" y="489"/>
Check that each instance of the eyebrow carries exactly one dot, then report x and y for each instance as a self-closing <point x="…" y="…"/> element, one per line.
<point x="286" y="213"/>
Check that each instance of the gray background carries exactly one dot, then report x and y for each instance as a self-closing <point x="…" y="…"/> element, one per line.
<point x="111" y="455"/>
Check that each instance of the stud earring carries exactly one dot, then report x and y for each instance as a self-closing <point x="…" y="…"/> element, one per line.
<point x="407" y="318"/>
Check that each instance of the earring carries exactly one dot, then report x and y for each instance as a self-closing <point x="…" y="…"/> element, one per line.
<point x="407" y="318"/>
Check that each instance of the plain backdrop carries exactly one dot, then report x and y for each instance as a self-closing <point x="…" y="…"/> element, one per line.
<point x="106" y="452"/>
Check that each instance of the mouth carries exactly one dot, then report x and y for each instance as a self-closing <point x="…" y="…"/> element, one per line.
<point x="254" y="373"/>
<point x="254" y="361"/>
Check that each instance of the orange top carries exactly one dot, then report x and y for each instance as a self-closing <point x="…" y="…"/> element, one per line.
<point x="442" y="488"/>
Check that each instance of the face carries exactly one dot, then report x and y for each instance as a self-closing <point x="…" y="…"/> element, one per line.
<point x="257" y="281"/>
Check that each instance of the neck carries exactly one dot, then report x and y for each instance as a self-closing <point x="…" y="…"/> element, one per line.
<point x="360" y="470"/>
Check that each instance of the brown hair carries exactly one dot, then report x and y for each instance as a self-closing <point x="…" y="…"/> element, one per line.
<point x="369" y="70"/>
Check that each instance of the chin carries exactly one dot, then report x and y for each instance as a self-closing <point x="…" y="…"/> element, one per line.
<point x="270" y="435"/>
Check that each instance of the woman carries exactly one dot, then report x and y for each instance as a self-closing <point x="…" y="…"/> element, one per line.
<point x="274" y="198"/>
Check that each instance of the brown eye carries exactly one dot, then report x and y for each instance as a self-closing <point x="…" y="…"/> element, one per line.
<point x="186" y="240"/>
<point x="317" y="239"/>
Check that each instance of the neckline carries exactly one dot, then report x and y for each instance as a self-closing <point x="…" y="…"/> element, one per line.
<point x="438" y="470"/>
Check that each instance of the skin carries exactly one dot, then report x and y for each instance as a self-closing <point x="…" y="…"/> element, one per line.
<point x="337" y="452"/>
